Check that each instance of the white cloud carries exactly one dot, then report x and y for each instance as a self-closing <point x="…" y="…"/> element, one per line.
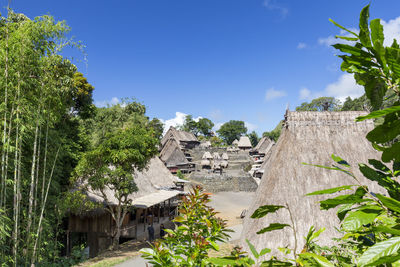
<point x="106" y="103"/>
<point x="179" y="120"/>
<point x="273" y="6"/>
<point x="250" y="127"/>
<point x="345" y="86"/>
<point x="217" y="125"/>
<point x="216" y="115"/>
<point x="301" y="45"/>
<point x="304" y="94"/>
<point x="273" y="94"/>
<point x="391" y="29"/>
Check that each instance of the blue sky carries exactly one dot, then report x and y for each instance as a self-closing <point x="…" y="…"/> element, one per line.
<point x="221" y="59"/>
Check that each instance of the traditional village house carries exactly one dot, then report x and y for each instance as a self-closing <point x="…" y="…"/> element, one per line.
<point x="206" y="160"/>
<point x="205" y="145"/>
<point x="154" y="202"/>
<point x="174" y="159"/>
<point x="225" y="156"/>
<point x="235" y="143"/>
<point x="184" y="139"/>
<point x="310" y="137"/>
<point x="244" y="143"/>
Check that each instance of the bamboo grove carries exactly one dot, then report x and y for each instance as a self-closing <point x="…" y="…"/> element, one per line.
<point x="43" y="97"/>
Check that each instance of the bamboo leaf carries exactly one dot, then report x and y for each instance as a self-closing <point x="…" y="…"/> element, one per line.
<point x="364" y="34"/>
<point x="272" y="227"/>
<point x="264" y="210"/>
<point x="340" y="161"/>
<point x="252" y="249"/>
<point x="343" y="28"/>
<point x="331" y="190"/>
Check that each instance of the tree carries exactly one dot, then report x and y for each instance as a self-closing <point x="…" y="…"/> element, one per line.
<point x="320" y="104"/>
<point x="232" y="130"/>
<point x="361" y="103"/>
<point x="202" y="126"/>
<point x="158" y="127"/>
<point x="275" y="133"/>
<point x="205" y="126"/>
<point x="111" y="165"/>
<point x="190" y="125"/>
<point x="253" y="138"/>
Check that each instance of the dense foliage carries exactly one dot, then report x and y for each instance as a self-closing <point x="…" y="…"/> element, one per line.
<point x="202" y="126"/>
<point x="43" y="97"/>
<point x="232" y="130"/>
<point x="123" y="140"/>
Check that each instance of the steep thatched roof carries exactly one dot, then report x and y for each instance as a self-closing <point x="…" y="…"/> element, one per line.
<point x="179" y="136"/>
<point x="154" y="184"/>
<point x="216" y="155"/>
<point x="207" y="155"/>
<point x="205" y="144"/>
<point x="225" y="156"/>
<point x="244" y="142"/>
<point x="172" y="155"/>
<point x="263" y="145"/>
<point x="235" y="142"/>
<point x="309" y="137"/>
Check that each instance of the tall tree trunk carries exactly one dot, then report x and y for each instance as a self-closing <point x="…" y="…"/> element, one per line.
<point x="3" y="153"/>
<point x="39" y="228"/>
<point x="32" y="188"/>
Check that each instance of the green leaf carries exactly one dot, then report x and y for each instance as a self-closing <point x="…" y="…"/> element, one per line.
<point x="355" y="51"/>
<point x="275" y="263"/>
<point x="331" y="190"/>
<point x="364" y="29"/>
<point x="377" y="31"/>
<point x="346" y="38"/>
<point x="222" y="261"/>
<point x="343" y="28"/>
<point x="357" y="197"/>
<point x="272" y="227"/>
<point x="385" y="132"/>
<point x="391" y="153"/>
<point x="385" y="229"/>
<point x="389" y="202"/>
<point x="319" y="259"/>
<point x="252" y="249"/>
<point x="356" y="219"/>
<point x="264" y="210"/>
<point x="379" y="113"/>
<point x="340" y="161"/>
<point x="264" y="251"/>
<point x="382" y="249"/>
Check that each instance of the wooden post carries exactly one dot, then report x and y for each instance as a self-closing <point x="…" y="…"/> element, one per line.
<point x="158" y="214"/>
<point x="145" y="220"/>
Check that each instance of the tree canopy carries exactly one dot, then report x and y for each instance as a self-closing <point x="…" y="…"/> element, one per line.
<point x="202" y="126"/>
<point x="320" y="104"/>
<point x="232" y="130"/>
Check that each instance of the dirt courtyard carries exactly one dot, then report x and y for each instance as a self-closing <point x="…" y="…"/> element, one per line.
<point x="231" y="204"/>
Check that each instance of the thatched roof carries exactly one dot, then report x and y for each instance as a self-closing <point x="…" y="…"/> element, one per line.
<point x="179" y="136"/>
<point x="225" y="156"/>
<point x="154" y="186"/>
<point x="244" y="142"/>
<point x="263" y="145"/>
<point x="216" y="155"/>
<point x="205" y="144"/>
<point x="205" y="162"/>
<point x="235" y="142"/>
<point x="172" y="155"/>
<point x="224" y="163"/>
<point x="309" y="137"/>
<point x="207" y="155"/>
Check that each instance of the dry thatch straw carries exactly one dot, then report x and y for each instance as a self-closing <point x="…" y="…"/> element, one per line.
<point x="235" y="142"/>
<point x="309" y="137"/>
<point x="172" y="155"/>
<point x="179" y="136"/>
<point x="225" y="156"/>
<point x="244" y="143"/>
<point x="263" y="145"/>
<point x="216" y="155"/>
<point x="207" y="155"/>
